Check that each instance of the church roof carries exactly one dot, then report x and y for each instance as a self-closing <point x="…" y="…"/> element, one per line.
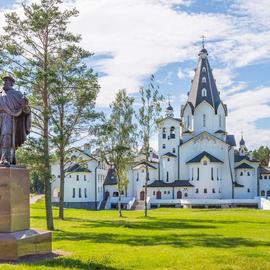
<point x="169" y="154"/>
<point x="144" y="163"/>
<point x="230" y="140"/>
<point x="176" y="183"/>
<point x="244" y="166"/>
<point x="110" y="178"/>
<point x="264" y="170"/>
<point x="238" y="158"/>
<point x="77" y="168"/>
<point x="204" y="154"/>
<point x="204" y="79"/>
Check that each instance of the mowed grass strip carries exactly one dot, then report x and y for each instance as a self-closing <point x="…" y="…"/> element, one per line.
<point x="168" y="239"/>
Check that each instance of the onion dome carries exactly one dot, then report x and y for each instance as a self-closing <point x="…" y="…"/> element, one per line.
<point x="242" y="142"/>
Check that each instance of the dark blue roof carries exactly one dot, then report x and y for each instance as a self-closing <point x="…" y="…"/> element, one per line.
<point x="203" y="70"/>
<point x="238" y="158"/>
<point x="169" y="154"/>
<point x="244" y="166"/>
<point x="110" y="178"/>
<point x="230" y="140"/>
<point x="77" y="168"/>
<point x="176" y="183"/>
<point x="204" y="154"/>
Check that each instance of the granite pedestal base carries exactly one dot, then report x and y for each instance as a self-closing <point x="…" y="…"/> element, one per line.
<point x="28" y="242"/>
<point x="16" y="237"/>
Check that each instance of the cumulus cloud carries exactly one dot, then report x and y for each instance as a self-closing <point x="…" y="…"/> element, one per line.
<point x="137" y="38"/>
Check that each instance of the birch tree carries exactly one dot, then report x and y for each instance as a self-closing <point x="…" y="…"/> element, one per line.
<point x="148" y="119"/>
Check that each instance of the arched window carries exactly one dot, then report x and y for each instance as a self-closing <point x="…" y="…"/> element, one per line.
<point x="115" y="194"/>
<point x="163" y="146"/>
<point x="172" y="133"/>
<point x="164" y="133"/>
<point x="203" y="80"/>
<point x="213" y="190"/>
<point x="188" y="121"/>
<point x="241" y="173"/>
<point x="219" y="121"/>
<point x="203" y="69"/>
<point x="73" y="193"/>
<point x="212" y="174"/>
<point x="198" y="174"/>
<point x="248" y="173"/>
<point x="80" y="192"/>
<point x="205" y="190"/>
<point x="248" y="190"/>
<point x="204" y="92"/>
<point x="204" y="120"/>
<point x="263" y="193"/>
<point x="268" y="193"/>
<point x="167" y="177"/>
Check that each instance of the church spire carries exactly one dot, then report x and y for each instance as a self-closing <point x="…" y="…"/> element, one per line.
<point x="203" y="86"/>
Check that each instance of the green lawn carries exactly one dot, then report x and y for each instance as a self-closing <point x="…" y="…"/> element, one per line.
<point x="168" y="239"/>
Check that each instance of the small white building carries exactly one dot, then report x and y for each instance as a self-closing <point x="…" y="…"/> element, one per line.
<point x="83" y="182"/>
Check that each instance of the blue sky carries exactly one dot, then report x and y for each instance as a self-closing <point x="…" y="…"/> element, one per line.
<point x="134" y="39"/>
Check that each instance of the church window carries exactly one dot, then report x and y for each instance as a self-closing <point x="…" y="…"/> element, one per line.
<point x="172" y="133"/>
<point x="203" y="69"/>
<point x="154" y="193"/>
<point x="205" y="162"/>
<point x="213" y="190"/>
<point x="241" y="173"/>
<point x="173" y="150"/>
<point x="204" y="120"/>
<point x="268" y="193"/>
<point x="197" y="190"/>
<point x="204" y="92"/>
<point x="168" y="159"/>
<point x="188" y="121"/>
<point x="265" y="177"/>
<point x="203" y="80"/>
<point x="248" y="173"/>
<point x="163" y="146"/>
<point x="77" y="177"/>
<point x="219" y="190"/>
<point x="198" y="174"/>
<point x="167" y="177"/>
<point x="73" y="193"/>
<point x="164" y="133"/>
<point x="185" y="194"/>
<point x="212" y="174"/>
<point x="165" y="192"/>
<point x="192" y="174"/>
<point x="115" y="194"/>
<point x="205" y="190"/>
<point x="84" y="177"/>
<point x="217" y="175"/>
<point x="262" y="193"/>
<point x="248" y="190"/>
<point x="137" y="176"/>
<point x="85" y="193"/>
<point x="80" y="192"/>
<point x="169" y="192"/>
<point x="219" y="121"/>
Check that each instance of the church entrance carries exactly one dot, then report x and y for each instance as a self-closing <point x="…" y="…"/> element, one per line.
<point x="158" y="195"/>
<point x="179" y="194"/>
<point x="107" y="194"/>
<point x="142" y="195"/>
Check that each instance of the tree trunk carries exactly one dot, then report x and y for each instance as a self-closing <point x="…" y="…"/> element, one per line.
<point x="62" y="164"/>
<point x="62" y="189"/>
<point x="47" y="173"/>
<point x="119" y="200"/>
<point x="145" y="186"/>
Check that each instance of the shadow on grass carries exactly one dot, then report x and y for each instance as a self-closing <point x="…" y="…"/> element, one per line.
<point x="175" y="240"/>
<point x="71" y="263"/>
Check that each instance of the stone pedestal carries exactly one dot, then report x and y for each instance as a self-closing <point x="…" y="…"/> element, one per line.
<point x="16" y="238"/>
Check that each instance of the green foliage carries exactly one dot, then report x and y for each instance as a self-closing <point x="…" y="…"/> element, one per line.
<point x="116" y="138"/>
<point x="262" y="154"/>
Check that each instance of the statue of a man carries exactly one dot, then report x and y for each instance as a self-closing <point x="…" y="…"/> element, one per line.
<point x="15" y="121"/>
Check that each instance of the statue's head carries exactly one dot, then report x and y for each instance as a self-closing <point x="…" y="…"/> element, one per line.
<point x="8" y="81"/>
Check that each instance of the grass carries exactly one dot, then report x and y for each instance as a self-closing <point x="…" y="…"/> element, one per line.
<point x="168" y="239"/>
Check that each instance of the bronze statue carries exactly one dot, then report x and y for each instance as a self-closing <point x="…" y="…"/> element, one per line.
<point x="15" y="121"/>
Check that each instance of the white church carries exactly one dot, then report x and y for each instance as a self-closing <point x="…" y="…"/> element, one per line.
<point x="197" y="164"/>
